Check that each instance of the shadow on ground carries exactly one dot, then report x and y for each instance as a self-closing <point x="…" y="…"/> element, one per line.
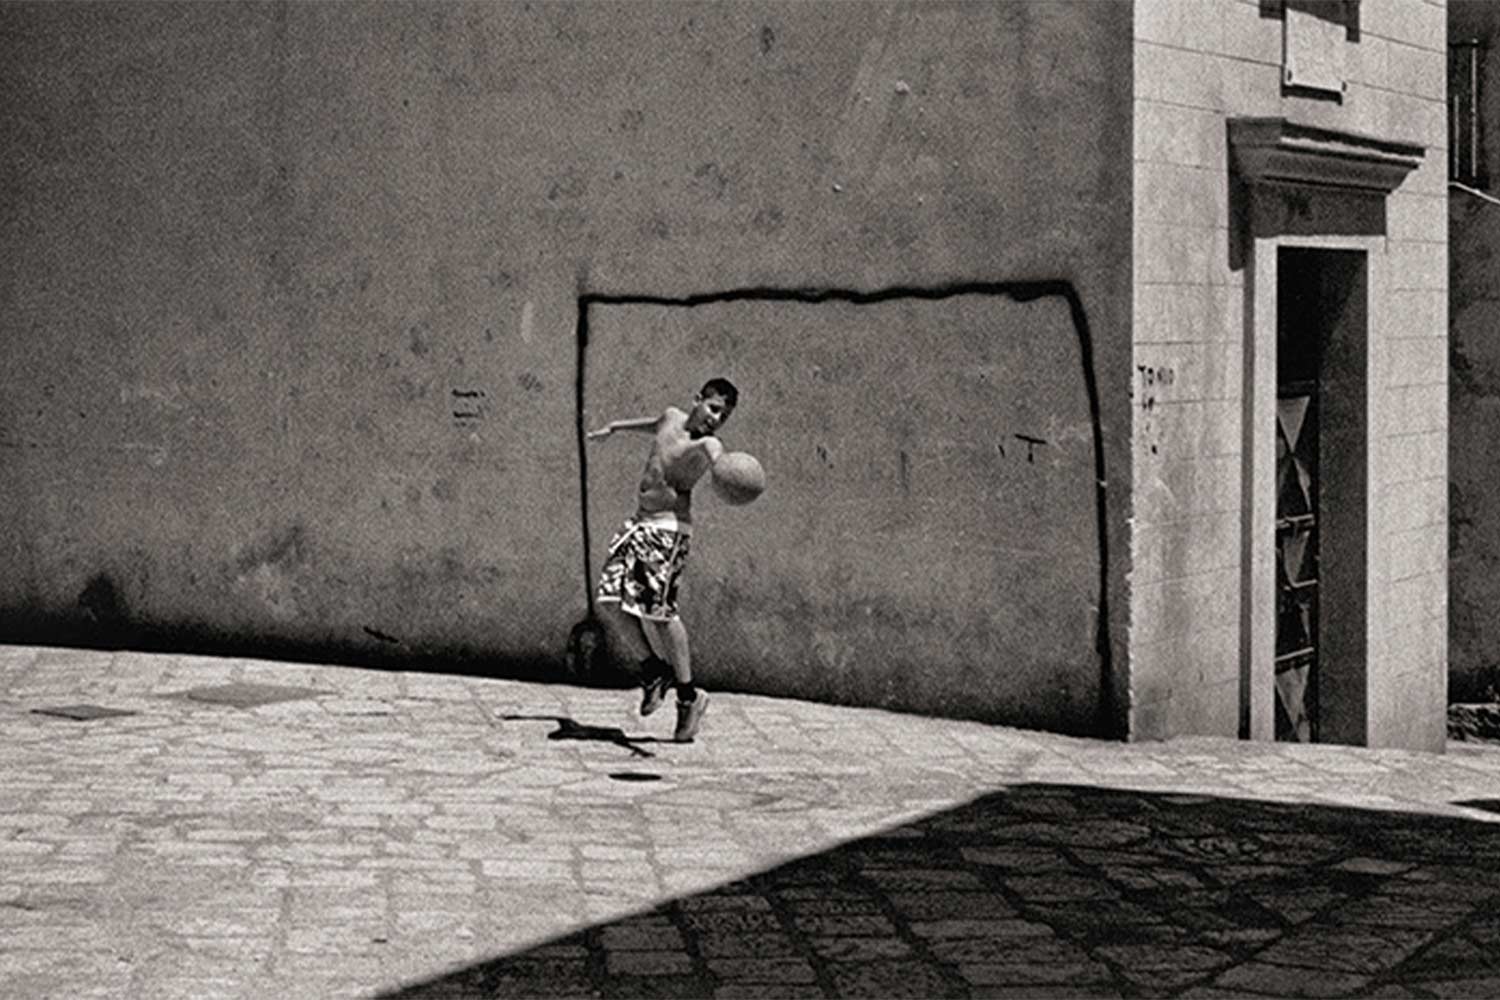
<point x="567" y="729"/>
<point x="1064" y="890"/>
<point x="365" y="648"/>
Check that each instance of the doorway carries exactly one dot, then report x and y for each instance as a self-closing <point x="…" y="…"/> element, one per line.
<point x="1321" y="503"/>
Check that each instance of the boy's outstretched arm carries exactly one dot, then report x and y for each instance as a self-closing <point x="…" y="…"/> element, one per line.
<point x="634" y="424"/>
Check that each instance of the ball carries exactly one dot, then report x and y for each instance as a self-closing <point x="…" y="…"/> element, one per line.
<point x="738" y="477"/>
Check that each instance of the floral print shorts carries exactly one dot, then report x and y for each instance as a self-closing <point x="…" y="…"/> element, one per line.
<point x="641" y="574"/>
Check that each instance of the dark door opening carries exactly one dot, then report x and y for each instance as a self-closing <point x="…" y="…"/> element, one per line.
<point x="1321" y="447"/>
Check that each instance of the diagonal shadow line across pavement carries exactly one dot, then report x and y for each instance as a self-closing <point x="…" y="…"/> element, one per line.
<point x="1063" y="890"/>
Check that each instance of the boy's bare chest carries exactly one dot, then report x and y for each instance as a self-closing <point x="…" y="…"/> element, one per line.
<point x="679" y="454"/>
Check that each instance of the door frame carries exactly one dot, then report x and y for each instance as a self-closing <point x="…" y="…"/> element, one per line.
<point x="1344" y="705"/>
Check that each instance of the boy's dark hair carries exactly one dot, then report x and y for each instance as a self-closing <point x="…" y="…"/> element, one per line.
<point x="722" y="388"/>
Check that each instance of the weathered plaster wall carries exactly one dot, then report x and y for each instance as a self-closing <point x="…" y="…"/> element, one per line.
<point x="289" y="295"/>
<point x="933" y="500"/>
<point x="1474" y="389"/>
<point x="1198" y="64"/>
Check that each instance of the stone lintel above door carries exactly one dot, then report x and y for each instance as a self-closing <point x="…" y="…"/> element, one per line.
<point x="1278" y="151"/>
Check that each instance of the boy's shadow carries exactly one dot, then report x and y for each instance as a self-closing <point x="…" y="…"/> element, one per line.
<point x="567" y="729"/>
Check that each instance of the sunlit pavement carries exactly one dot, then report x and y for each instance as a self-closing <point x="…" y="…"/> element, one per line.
<point x="245" y="828"/>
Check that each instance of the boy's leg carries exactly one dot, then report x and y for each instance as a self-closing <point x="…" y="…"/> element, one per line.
<point x="671" y="639"/>
<point x="632" y="638"/>
<point x="624" y="631"/>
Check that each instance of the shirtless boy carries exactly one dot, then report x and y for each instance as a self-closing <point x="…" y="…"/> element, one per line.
<point x="637" y="595"/>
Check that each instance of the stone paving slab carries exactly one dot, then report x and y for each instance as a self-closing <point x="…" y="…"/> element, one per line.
<point x="398" y="834"/>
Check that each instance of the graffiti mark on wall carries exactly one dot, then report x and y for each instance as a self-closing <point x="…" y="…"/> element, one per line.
<point x="1152" y="378"/>
<point x="1157" y="376"/>
<point x="468" y="406"/>
<point x="1025" y="452"/>
<point x="1032" y="443"/>
<point x="382" y="636"/>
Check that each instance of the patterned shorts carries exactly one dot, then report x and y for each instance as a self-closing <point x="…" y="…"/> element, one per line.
<point x="641" y="574"/>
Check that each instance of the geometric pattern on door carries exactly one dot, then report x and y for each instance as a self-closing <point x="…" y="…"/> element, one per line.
<point x="1297" y="563"/>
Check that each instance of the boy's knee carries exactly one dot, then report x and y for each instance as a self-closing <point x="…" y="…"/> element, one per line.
<point x="660" y="627"/>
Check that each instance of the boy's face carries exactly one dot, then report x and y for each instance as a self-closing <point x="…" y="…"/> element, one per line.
<point x="709" y="413"/>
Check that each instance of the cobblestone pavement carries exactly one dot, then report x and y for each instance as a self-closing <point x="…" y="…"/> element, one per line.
<point x="259" y="829"/>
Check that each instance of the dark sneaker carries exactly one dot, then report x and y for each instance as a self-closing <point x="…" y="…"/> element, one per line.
<point x="654" y="692"/>
<point x="690" y="717"/>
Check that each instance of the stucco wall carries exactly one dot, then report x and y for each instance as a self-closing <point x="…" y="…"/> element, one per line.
<point x="291" y="291"/>
<point x="1474" y="391"/>
<point x="1197" y="65"/>
<point x="933" y="496"/>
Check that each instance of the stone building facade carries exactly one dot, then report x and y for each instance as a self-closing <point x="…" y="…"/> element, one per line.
<point x="1290" y="189"/>
<point x="1474" y="227"/>
<point x="305" y="307"/>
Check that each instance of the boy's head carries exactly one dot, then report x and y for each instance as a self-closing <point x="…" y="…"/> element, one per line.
<point x="712" y="406"/>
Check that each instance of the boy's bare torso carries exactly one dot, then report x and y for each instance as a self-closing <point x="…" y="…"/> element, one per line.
<point x="676" y="463"/>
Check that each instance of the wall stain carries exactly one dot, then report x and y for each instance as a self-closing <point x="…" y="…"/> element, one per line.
<point x="417" y="343"/>
<point x="410" y="390"/>
<point x="100" y="601"/>
<point x="567" y="186"/>
<point x="713" y="177"/>
<point x="768" y="220"/>
<point x="286" y="548"/>
<point x="269" y="571"/>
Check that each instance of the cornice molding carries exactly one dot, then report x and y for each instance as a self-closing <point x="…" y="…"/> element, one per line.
<point x="1277" y="151"/>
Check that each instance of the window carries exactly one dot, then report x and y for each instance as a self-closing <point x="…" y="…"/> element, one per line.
<point x="1465" y="141"/>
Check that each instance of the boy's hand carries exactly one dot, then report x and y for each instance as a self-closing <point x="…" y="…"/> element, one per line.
<point x="600" y="432"/>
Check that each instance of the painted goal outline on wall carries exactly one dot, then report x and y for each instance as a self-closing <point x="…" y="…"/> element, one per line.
<point x="1018" y="291"/>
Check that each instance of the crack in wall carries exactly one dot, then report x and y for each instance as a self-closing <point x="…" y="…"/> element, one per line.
<point x="1108" y="720"/>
